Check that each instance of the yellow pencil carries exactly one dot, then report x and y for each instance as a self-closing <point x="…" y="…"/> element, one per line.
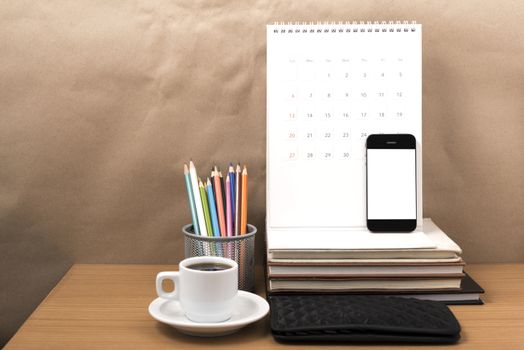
<point x="205" y="208"/>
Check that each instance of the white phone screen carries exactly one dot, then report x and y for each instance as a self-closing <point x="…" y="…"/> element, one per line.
<point x="391" y="186"/>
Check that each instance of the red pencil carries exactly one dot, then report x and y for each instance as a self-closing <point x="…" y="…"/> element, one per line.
<point x="243" y="210"/>
<point x="238" y="196"/>
<point x="220" y="203"/>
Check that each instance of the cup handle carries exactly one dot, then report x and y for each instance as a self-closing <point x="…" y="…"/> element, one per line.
<point x="171" y="275"/>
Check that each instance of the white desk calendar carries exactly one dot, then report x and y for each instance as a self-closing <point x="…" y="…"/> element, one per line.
<point x="328" y="87"/>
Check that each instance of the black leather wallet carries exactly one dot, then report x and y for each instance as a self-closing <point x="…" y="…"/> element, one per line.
<point x="361" y="318"/>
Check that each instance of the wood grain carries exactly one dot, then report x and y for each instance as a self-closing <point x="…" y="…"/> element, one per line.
<point x="105" y="307"/>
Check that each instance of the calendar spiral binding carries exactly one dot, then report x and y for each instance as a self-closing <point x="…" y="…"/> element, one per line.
<point x="347" y="27"/>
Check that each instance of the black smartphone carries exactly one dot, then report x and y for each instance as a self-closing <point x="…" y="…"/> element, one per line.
<point x="391" y="182"/>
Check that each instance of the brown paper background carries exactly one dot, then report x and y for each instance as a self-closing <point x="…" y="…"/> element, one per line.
<point x="102" y="102"/>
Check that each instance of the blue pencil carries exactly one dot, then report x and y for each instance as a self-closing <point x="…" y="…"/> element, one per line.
<point x="212" y="208"/>
<point x="191" y="200"/>
<point x="232" y="185"/>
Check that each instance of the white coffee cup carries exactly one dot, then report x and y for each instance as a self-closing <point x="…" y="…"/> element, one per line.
<point x="205" y="295"/>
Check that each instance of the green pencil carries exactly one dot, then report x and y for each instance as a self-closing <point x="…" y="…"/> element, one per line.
<point x="205" y="206"/>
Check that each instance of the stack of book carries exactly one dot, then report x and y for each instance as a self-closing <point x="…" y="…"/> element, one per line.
<point x="424" y="265"/>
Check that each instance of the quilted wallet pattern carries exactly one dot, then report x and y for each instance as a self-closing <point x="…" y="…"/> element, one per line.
<point x="361" y="318"/>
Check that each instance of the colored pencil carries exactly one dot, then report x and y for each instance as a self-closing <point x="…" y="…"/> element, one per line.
<point x="198" y="199"/>
<point x="238" y="195"/>
<point x="205" y="208"/>
<point x="212" y="208"/>
<point x="223" y="190"/>
<point x="213" y="181"/>
<point x="219" y="204"/>
<point x="229" y="221"/>
<point x="243" y="210"/>
<point x="191" y="200"/>
<point x="232" y="183"/>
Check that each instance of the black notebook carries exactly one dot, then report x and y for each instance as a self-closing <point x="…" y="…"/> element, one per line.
<point x="468" y="294"/>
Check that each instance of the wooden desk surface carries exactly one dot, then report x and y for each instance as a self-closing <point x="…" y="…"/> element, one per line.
<point x="105" y="307"/>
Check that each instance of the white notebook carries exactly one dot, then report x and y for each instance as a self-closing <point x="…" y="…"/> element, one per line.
<point x="365" y="284"/>
<point x="430" y="243"/>
<point x="328" y="87"/>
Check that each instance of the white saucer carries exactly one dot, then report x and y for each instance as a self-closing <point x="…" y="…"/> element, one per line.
<point x="248" y="308"/>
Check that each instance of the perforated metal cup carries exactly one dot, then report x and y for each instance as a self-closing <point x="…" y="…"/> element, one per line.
<point x="239" y="248"/>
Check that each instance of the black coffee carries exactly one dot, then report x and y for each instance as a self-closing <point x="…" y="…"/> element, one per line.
<point x="209" y="267"/>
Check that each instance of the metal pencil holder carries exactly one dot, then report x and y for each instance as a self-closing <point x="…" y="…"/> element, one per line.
<point x="239" y="248"/>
